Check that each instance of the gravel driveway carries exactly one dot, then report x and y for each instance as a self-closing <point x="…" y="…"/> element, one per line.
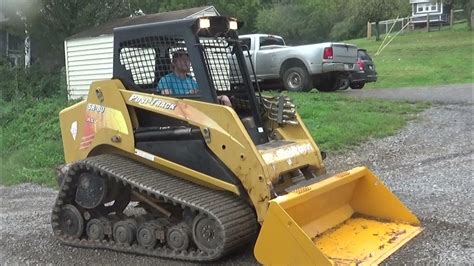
<point x="429" y="165"/>
<point x="444" y="94"/>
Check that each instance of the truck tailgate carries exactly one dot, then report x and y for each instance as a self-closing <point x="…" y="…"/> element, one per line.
<point x="344" y="53"/>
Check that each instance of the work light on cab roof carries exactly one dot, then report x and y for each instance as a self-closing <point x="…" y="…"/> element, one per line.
<point x="215" y="25"/>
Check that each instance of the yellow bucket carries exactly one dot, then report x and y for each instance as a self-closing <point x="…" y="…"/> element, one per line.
<point x="351" y="218"/>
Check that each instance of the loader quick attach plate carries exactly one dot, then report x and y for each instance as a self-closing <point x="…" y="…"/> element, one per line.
<point x="350" y="218"/>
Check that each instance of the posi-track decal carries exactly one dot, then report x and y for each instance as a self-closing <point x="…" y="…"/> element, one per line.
<point x="155" y="102"/>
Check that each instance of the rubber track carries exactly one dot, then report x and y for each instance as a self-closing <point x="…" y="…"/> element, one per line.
<point x="236" y="219"/>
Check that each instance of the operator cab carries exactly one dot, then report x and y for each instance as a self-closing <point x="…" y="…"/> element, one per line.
<point x="146" y="60"/>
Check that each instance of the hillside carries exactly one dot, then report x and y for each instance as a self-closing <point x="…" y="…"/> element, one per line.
<point x="418" y="58"/>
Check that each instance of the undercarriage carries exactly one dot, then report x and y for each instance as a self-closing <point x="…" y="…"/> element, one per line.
<point x="115" y="203"/>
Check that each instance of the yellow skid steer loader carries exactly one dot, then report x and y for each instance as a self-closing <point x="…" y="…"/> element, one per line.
<point x="180" y="156"/>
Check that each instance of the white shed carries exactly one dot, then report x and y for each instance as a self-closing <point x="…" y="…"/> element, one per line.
<point x="89" y="54"/>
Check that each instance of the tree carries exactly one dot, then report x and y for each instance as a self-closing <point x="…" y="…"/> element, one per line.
<point x="468" y="5"/>
<point x="59" y="19"/>
<point x="377" y="10"/>
<point x="50" y="22"/>
<point x="140" y="7"/>
<point x="243" y="10"/>
<point x="302" y="21"/>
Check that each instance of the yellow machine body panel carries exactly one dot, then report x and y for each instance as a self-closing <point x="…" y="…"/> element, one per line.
<point x="102" y="119"/>
<point x="105" y="120"/>
<point x="102" y="123"/>
<point x="350" y="218"/>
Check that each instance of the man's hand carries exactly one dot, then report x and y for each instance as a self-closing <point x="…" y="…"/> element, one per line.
<point x="193" y="91"/>
<point x="224" y="100"/>
<point x="166" y="92"/>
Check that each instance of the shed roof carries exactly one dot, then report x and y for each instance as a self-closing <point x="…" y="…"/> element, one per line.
<point x="108" y="28"/>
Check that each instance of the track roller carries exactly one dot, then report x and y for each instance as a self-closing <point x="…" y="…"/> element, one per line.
<point x="124" y="231"/>
<point x="71" y="221"/>
<point x="147" y="234"/>
<point x="207" y="234"/>
<point x="178" y="236"/>
<point x="96" y="229"/>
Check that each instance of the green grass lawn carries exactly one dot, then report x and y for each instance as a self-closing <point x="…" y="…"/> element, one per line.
<point x="337" y="122"/>
<point x="30" y="141"/>
<point x="419" y="58"/>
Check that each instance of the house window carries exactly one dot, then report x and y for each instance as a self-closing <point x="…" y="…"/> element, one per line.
<point x="427" y="7"/>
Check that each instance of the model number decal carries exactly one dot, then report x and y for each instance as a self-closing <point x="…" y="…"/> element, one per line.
<point x="152" y="101"/>
<point x="95" y="108"/>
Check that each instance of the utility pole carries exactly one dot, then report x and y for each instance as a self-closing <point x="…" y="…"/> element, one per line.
<point x="27" y="51"/>
<point x="369" y="30"/>
<point x="451" y="18"/>
<point x="428" y="22"/>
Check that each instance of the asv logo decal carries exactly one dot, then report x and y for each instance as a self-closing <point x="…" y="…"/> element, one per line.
<point x="287" y="153"/>
<point x="152" y="102"/>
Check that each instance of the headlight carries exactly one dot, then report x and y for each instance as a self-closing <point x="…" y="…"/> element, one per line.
<point x="233" y="25"/>
<point x="204" y="23"/>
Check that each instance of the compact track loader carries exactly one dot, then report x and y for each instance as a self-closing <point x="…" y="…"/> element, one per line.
<point x="181" y="176"/>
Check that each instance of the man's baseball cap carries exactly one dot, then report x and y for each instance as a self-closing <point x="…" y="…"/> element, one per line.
<point x="178" y="53"/>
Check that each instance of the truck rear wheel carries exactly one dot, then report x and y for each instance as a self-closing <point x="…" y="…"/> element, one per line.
<point x="357" y="85"/>
<point x="297" y="79"/>
<point x="334" y="83"/>
<point x="344" y="82"/>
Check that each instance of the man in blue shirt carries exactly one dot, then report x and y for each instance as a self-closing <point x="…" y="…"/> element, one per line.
<point x="178" y="82"/>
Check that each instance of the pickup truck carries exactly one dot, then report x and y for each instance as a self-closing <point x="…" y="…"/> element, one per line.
<point x="326" y="66"/>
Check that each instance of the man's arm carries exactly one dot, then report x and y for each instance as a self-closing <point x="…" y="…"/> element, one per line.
<point x="194" y="86"/>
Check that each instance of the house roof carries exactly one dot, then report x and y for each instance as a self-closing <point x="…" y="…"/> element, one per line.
<point x="108" y="28"/>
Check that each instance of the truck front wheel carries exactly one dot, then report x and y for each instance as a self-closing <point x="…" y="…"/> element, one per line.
<point x="297" y="79"/>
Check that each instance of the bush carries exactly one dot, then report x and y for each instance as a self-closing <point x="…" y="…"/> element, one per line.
<point x="33" y="82"/>
<point x="30" y="140"/>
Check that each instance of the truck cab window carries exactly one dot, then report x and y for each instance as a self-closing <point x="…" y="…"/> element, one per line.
<point x="266" y="41"/>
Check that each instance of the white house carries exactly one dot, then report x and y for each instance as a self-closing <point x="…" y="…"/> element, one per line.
<point x="421" y="9"/>
<point x="89" y="54"/>
<point x="12" y="45"/>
